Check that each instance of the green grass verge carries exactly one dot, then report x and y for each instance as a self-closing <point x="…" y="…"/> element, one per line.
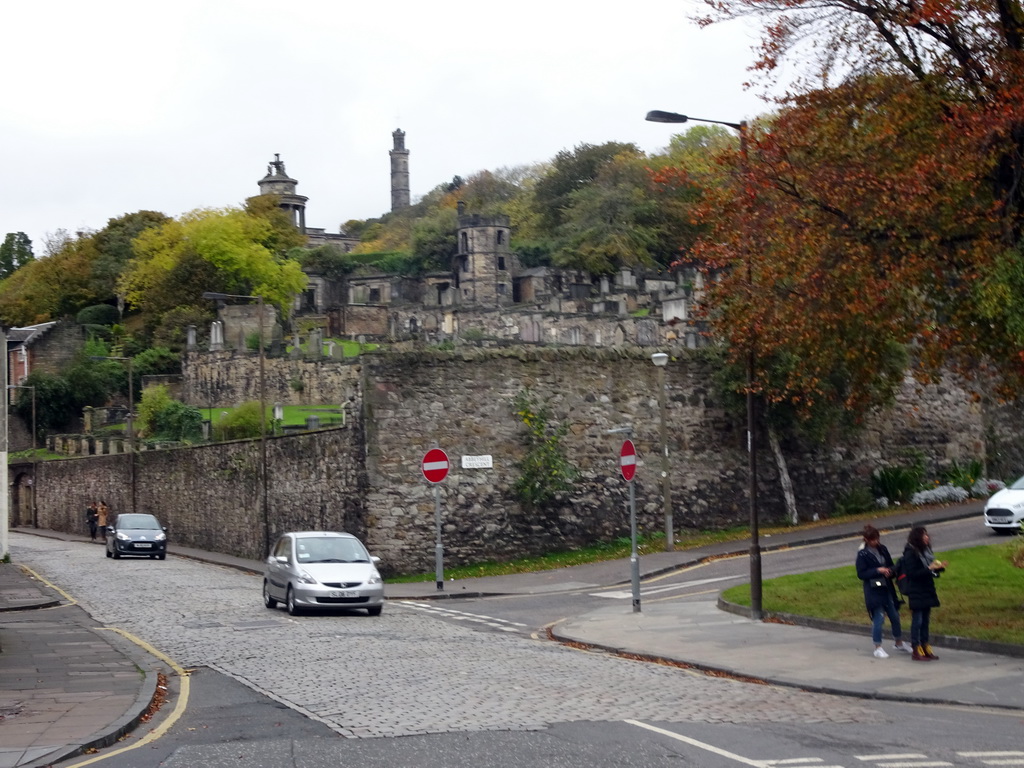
<point x="617" y="550"/>
<point x="982" y="595"/>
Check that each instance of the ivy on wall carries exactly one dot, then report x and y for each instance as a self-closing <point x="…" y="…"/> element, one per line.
<point x="545" y="474"/>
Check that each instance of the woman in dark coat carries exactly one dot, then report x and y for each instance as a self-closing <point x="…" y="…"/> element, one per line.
<point x="875" y="568"/>
<point x="921" y="569"/>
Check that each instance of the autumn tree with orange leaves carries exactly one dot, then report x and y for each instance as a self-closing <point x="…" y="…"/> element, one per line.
<point x="882" y="211"/>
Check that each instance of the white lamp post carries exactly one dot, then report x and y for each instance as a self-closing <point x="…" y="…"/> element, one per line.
<point x="660" y="360"/>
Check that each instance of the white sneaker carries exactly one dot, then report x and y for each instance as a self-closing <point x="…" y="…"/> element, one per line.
<point x="880" y="653"/>
<point x="904" y="646"/>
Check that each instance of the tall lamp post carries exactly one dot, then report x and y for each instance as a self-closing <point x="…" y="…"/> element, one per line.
<point x="659" y="116"/>
<point x="130" y="425"/>
<point x="35" y="520"/>
<point x="212" y="295"/>
<point x="660" y="360"/>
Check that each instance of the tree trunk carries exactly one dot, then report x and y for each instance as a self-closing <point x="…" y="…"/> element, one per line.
<point x="784" y="479"/>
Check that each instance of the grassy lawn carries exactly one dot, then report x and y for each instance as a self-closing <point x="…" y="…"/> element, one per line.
<point x="982" y="595"/>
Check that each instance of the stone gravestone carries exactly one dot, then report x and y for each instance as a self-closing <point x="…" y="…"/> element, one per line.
<point x="190" y="336"/>
<point x="316" y="343"/>
<point x="216" y="336"/>
<point x="647" y="333"/>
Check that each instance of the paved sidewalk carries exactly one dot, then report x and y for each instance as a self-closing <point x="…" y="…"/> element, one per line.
<point x="66" y="684"/>
<point x="57" y="699"/>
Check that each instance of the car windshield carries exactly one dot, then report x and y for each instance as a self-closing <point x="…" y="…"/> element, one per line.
<point x="139" y="522"/>
<point x="330" y="550"/>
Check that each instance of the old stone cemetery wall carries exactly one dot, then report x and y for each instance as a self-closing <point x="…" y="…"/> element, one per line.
<point x="366" y="477"/>
<point x="208" y="496"/>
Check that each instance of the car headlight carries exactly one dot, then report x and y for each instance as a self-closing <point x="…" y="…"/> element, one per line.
<point x="123" y="536"/>
<point x="375" y="578"/>
<point x="305" y="578"/>
<point x="161" y="537"/>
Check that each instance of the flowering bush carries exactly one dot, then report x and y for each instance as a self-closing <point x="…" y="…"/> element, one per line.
<point x="941" y="494"/>
<point x="984" y="487"/>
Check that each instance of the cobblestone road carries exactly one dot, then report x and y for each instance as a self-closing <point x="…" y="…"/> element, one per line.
<point x="404" y="672"/>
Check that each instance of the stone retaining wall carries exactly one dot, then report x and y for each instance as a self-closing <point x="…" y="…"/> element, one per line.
<point x="366" y="477"/>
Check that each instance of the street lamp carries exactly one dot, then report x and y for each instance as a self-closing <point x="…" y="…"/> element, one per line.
<point x="660" y="360"/>
<point x="212" y="295"/>
<point x="35" y="521"/>
<point x="659" y="116"/>
<point x="130" y="424"/>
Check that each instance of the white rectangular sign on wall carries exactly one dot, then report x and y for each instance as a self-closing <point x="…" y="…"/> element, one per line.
<point x="477" y="462"/>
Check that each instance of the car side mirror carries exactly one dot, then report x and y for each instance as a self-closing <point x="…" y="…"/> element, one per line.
<point x="374" y="559"/>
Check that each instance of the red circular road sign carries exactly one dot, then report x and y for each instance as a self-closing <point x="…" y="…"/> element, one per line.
<point x="435" y="465"/>
<point x="627" y="460"/>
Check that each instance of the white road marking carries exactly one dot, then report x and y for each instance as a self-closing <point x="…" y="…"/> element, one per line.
<point x="621" y="595"/>
<point x="699" y="744"/>
<point x="448" y="613"/>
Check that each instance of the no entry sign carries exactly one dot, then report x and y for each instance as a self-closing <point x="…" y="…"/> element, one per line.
<point x="627" y="460"/>
<point x="435" y="465"/>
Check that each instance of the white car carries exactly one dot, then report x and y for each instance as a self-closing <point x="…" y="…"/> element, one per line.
<point x="321" y="570"/>
<point x="1005" y="510"/>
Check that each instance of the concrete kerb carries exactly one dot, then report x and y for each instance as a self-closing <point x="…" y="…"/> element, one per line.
<point x="747" y="677"/>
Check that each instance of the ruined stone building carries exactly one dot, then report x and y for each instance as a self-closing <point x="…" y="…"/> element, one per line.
<point x="486" y="293"/>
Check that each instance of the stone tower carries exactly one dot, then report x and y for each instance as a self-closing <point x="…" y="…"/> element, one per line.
<point x="277" y="182"/>
<point x="484" y="264"/>
<point x="399" y="172"/>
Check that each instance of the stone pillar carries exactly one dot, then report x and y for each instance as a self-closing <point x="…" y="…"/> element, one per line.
<point x="190" y="336"/>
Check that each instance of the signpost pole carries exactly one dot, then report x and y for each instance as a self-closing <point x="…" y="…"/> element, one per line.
<point x="627" y="466"/>
<point x="435" y="469"/>
<point x="438" y="548"/>
<point x="634" y="558"/>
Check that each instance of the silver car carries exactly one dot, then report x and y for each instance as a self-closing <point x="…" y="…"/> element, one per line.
<point x="321" y="569"/>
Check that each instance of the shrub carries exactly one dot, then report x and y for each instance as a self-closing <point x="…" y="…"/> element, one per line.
<point x="98" y="314"/>
<point x="855" y="501"/>
<point x="963" y="477"/>
<point x="897" y="483"/>
<point x="244" y="421"/>
<point x="942" y="494"/>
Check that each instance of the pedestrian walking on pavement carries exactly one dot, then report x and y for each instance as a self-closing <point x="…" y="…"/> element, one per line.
<point x="92" y="518"/>
<point x="921" y="570"/>
<point x="102" y="514"/>
<point x="875" y="570"/>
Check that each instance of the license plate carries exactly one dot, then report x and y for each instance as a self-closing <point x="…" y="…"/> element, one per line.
<point x="345" y="593"/>
<point x="144" y="546"/>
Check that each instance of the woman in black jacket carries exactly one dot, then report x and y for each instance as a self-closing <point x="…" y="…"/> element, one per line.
<point x="921" y="569"/>
<point x="874" y="568"/>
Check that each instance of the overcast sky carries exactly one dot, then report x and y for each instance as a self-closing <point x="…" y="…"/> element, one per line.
<point x="111" y="107"/>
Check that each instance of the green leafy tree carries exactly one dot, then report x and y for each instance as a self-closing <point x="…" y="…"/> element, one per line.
<point x="433" y="240"/>
<point x="570" y="172"/>
<point x="209" y="250"/>
<point x="15" y="252"/>
<point x="114" y="249"/>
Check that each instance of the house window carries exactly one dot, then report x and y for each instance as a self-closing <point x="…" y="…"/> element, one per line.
<point x="501" y="236"/>
<point x="501" y="289"/>
<point x="501" y="262"/>
<point x="465" y="242"/>
<point x="375" y="295"/>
